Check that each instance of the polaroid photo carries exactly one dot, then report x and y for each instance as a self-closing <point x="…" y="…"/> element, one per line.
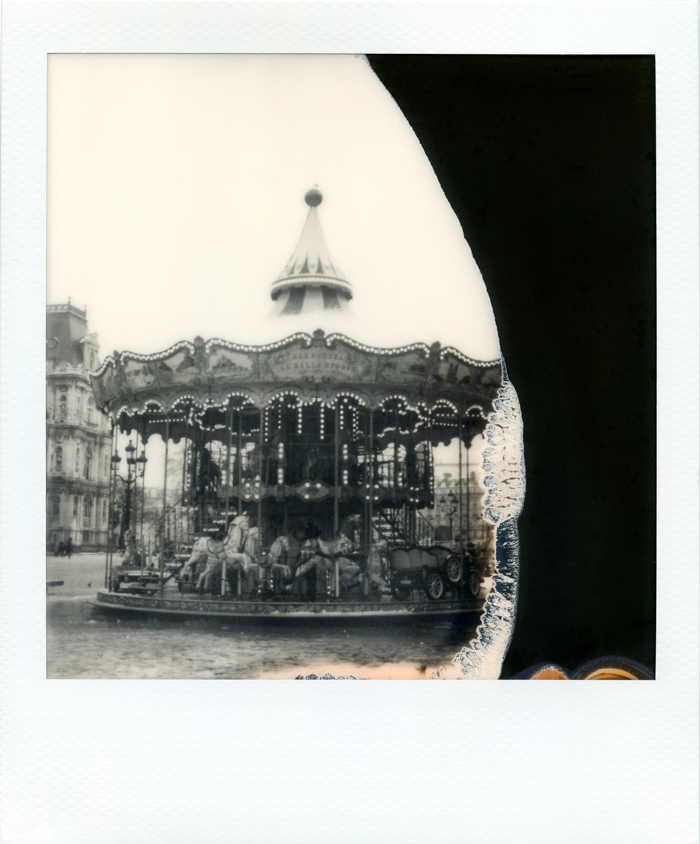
<point x="368" y="355"/>
<point x="307" y="468"/>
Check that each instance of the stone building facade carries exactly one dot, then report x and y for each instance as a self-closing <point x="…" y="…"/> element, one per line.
<point x="78" y="436"/>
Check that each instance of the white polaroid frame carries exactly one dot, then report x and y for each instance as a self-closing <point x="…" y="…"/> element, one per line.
<point x="299" y="762"/>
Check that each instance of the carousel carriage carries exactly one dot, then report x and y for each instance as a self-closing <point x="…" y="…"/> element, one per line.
<point x="303" y="436"/>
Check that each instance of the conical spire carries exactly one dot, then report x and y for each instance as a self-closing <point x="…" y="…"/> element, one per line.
<point x="310" y="279"/>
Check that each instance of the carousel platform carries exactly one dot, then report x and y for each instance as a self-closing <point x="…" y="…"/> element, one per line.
<point x="218" y="607"/>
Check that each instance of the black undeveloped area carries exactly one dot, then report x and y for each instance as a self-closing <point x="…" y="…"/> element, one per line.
<point x="548" y="162"/>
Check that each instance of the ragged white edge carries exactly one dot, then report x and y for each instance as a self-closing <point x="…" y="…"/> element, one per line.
<point x="504" y="469"/>
<point x="328" y="676"/>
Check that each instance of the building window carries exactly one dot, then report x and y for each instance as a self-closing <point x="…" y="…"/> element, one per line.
<point x="106" y="466"/>
<point x="87" y="510"/>
<point x="91" y="410"/>
<point x="59" y="458"/>
<point x="104" y="511"/>
<point x="77" y="460"/>
<point x="79" y="406"/>
<point x="55" y="506"/>
<point x="75" y="505"/>
<point x="63" y="407"/>
<point x="88" y="463"/>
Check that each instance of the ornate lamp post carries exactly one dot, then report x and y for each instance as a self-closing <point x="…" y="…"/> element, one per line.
<point x="448" y="505"/>
<point x="136" y="467"/>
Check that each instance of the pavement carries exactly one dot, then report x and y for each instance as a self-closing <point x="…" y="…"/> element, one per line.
<point x="82" y="574"/>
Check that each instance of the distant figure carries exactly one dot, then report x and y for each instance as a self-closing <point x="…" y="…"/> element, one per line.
<point x="69" y="547"/>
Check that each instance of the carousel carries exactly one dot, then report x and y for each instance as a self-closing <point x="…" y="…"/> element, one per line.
<point x="305" y="470"/>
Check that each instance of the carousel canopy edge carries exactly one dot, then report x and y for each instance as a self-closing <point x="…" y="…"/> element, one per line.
<point x="314" y="368"/>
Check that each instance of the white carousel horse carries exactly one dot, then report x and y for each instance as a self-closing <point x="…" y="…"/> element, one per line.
<point x="278" y="550"/>
<point x="229" y="561"/>
<point x="230" y="554"/>
<point x="242" y="545"/>
<point x="204" y="549"/>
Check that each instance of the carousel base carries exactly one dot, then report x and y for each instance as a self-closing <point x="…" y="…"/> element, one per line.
<point x="217" y="607"/>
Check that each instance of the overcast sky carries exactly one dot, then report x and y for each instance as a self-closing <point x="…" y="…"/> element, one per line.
<point x="175" y="198"/>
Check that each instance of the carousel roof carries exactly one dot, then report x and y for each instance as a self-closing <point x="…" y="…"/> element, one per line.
<point x="314" y="368"/>
<point x="310" y="365"/>
<point x="310" y="280"/>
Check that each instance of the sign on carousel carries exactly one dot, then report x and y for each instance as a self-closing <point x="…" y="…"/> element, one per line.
<point x="317" y="364"/>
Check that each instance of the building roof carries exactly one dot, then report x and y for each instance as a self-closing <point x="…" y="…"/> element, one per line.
<point x="310" y="280"/>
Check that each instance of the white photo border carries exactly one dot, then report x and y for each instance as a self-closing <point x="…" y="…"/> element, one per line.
<point x="299" y="762"/>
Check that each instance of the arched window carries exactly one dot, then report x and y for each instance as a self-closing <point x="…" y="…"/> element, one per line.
<point x="75" y="505"/>
<point x="88" y="463"/>
<point x="77" y="460"/>
<point x="87" y="509"/>
<point x="63" y="407"/>
<point x="59" y="458"/>
<point x="91" y="410"/>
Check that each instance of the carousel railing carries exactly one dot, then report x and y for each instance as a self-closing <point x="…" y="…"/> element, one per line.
<point x="178" y="536"/>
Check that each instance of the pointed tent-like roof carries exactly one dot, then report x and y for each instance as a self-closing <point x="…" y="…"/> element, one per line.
<point x="310" y="277"/>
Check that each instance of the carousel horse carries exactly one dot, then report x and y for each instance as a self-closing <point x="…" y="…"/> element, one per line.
<point x="222" y="554"/>
<point x="278" y="551"/>
<point x="237" y="545"/>
<point x="251" y="554"/>
<point x="230" y="561"/>
<point x="351" y="530"/>
<point x="205" y="549"/>
<point x="322" y="555"/>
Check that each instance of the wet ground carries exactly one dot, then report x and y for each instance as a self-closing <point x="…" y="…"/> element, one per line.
<point x="84" y="641"/>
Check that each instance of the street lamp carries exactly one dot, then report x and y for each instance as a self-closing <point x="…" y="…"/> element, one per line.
<point x="136" y="468"/>
<point x="448" y="505"/>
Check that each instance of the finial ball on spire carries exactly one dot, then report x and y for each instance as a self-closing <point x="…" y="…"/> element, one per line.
<point x="313" y="197"/>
